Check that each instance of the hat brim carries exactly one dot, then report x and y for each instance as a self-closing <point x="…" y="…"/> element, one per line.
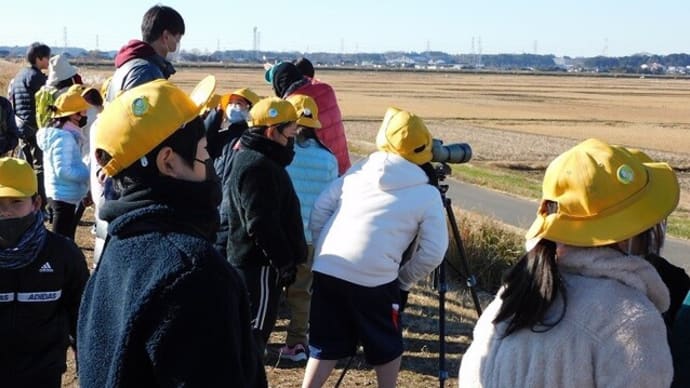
<point x="203" y="91"/>
<point x="309" y="122"/>
<point x="654" y="203"/>
<point x="11" y="192"/>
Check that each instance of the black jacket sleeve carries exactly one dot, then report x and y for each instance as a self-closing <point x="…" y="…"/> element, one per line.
<point x="263" y="198"/>
<point x="8" y="128"/>
<point x="76" y="275"/>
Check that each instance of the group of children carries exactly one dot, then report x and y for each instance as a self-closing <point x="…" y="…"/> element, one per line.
<point x="63" y="107"/>
<point x="217" y="205"/>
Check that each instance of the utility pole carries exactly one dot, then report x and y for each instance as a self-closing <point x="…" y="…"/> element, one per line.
<point x="64" y="39"/>
<point x="605" y="51"/>
<point x="479" y="51"/>
<point x="255" y="44"/>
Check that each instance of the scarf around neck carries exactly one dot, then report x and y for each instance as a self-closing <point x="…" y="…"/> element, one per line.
<point x="28" y="247"/>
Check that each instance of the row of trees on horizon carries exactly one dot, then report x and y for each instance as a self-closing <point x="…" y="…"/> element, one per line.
<point x="639" y="63"/>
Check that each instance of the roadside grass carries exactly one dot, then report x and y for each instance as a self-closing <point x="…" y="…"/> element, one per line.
<point x="520" y="184"/>
<point x="679" y="224"/>
<point x="490" y="248"/>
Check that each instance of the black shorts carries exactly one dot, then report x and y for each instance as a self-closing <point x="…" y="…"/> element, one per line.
<point x="344" y="314"/>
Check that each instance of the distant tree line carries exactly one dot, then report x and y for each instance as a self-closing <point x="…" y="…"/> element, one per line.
<point x="641" y="63"/>
<point x="637" y="63"/>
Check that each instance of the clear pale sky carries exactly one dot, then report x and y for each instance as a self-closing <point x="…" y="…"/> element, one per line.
<point x="573" y="28"/>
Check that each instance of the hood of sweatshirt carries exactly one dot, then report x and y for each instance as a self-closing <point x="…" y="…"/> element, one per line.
<point x="133" y="49"/>
<point x="389" y="171"/>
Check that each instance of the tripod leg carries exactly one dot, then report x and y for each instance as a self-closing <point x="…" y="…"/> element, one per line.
<point x="471" y="280"/>
<point x="442" y="287"/>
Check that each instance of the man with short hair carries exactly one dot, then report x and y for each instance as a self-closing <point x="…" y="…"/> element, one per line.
<point x="137" y="62"/>
<point x="23" y="88"/>
<point x="266" y="236"/>
<point x="144" y="60"/>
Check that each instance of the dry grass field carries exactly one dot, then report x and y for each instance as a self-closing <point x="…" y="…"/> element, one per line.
<point x="510" y="121"/>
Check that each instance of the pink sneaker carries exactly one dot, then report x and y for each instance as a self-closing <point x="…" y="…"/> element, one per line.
<point x="295" y="353"/>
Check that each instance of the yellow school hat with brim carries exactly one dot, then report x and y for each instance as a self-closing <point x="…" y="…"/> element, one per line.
<point x="605" y="194"/>
<point x="307" y="110"/>
<point x="245" y="93"/>
<point x="71" y="102"/>
<point x="17" y="178"/>
<point x="271" y="111"/>
<point x="405" y="134"/>
<point x="204" y="91"/>
<point x="139" y="119"/>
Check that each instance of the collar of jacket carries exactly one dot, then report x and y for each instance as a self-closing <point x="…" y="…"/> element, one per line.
<point x="605" y="262"/>
<point x="269" y="148"/>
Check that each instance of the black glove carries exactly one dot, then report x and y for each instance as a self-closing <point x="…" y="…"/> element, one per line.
<point x="212" y="123"/>
<point x="403" y="299"/>
<point x="287" y="275"/>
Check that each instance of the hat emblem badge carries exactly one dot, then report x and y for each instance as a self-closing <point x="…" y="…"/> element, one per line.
<point x="140" y="106"/>
<point x="625" y="174"/>
<point x="272" y="112"/>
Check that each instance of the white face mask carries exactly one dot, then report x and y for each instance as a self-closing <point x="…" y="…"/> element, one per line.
<point x="235" y="113"/>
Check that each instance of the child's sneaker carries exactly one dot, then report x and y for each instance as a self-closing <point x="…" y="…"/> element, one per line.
<point x="295" y="353"/>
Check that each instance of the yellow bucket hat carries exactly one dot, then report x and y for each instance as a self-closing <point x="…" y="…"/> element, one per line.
<point x="71" y="101"/>
<point x="17" y="178"/>
<point x="307" y="110"/>
<point x="139" y="119"/>
<point x="605" y="194"/>
<point x="405" y="134"/>
<point x="271" y="111"/>
<point x="245" y="93"/>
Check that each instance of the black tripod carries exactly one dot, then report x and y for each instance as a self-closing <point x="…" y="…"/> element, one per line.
<point x="439" y="279"/>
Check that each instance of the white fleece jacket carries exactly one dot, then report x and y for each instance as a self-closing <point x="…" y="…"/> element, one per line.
<point x="612" y="334"/>
<point x="363" y="222"/>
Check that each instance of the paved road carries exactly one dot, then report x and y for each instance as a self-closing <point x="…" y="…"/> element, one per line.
<point x="520" y="213"/>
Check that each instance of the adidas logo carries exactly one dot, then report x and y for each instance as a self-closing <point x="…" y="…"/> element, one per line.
<point x="46" y="267"/>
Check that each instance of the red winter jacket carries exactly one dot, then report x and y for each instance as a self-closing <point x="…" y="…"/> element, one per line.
<point x="332" y="132"/>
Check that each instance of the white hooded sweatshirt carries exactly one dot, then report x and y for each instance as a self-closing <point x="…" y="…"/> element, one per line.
<point x="363" y="222"/>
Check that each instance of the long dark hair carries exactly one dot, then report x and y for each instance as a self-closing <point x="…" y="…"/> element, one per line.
<point x="530" y="288"/>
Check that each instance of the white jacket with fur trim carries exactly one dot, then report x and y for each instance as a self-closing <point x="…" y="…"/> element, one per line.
<point x="363" y="222"/>
<point x="612" y="334"/>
